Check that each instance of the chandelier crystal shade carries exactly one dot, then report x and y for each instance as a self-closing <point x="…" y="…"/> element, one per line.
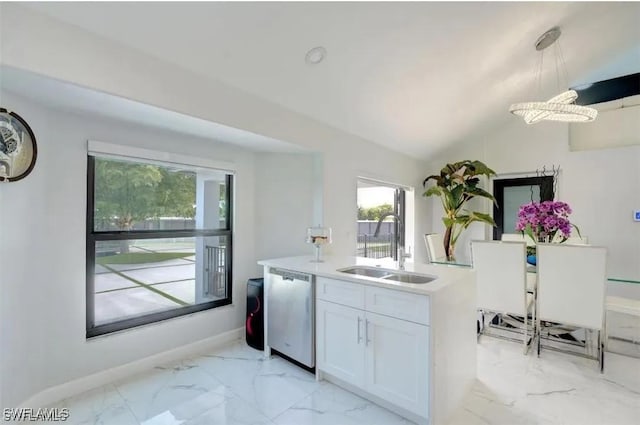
<point x="558" y="108"/>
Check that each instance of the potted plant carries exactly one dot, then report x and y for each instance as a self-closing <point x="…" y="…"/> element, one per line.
<point x="456" y="185"/>
<point x="546" y="221"/>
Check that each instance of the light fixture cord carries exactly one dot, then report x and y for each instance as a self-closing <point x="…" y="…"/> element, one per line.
<point x="539" y="75"/>
<point x="563" y="65"/>
<point x="557" y="60"/>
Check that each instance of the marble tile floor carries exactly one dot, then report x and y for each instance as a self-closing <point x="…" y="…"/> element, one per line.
<point x="236" y="386"/>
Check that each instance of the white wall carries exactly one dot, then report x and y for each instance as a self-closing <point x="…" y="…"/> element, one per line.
<point x="287" y="193"/>
<point x="284" y="204"/>
<point x="343" y="165"/>
<point x="602" y="186"/>
<point x="42" y="249"/>
<point x="322" y="189"/>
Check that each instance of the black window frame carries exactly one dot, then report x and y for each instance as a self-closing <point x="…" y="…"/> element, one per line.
<point x="546" y="184"/>
<point x="399" y="207"/>
<point x="94" y="236"/>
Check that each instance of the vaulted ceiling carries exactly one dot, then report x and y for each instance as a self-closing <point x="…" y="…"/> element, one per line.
<point x="415" y="77"/>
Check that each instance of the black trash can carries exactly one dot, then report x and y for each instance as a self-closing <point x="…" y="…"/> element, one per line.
<point x="254" y="325"/>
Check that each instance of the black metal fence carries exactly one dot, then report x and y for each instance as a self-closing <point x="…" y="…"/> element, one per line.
<point x="381" y="246"/>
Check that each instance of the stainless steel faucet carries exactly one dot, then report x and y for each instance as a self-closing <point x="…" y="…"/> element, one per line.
<point x="401" y="254"/>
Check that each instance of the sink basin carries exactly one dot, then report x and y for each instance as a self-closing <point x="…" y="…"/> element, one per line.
<point x="366" y="271"/>
<point x="409" y="278"/>
<point x="387" y="274"/>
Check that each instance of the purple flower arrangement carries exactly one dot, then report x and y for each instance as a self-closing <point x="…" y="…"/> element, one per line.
<point x="542" y="221"/>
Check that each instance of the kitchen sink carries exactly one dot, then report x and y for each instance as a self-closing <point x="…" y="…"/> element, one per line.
<point x="387" y="274"/>
<point x="410" y="278"/>
<point x="366" y="271"/>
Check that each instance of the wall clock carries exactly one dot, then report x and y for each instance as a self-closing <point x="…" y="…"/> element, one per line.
<point x="18" y="149"/>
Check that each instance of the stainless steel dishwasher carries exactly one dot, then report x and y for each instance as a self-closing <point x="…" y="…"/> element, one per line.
<point x="290" y="315"/>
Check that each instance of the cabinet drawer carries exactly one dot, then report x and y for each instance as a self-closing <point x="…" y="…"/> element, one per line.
<point x="402" y="305"/>
<point x="345" y="293"/>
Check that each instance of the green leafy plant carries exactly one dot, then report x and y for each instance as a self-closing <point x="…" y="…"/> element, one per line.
<point x="374" y="213"/>
<point x="457" y="184"/>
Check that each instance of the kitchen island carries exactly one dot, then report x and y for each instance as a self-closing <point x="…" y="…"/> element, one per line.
<point x="409" y="347"/>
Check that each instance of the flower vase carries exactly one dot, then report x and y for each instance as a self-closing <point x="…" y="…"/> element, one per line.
<point x="451" y="253"/>
<point x="531" y="255"/>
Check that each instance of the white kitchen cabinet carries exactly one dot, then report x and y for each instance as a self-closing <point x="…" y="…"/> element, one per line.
<point x="336" y="291"/>
<point x="397" y="362"/>
<point x="385" y="356"/>
<point x="398" y="304"/>
<point x="340" y="341"/>
<point x="410" y="348"/>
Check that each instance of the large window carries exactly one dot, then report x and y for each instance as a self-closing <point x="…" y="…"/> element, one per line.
<point x="158" y="242"/>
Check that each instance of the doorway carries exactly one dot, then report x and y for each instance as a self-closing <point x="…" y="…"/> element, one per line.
<point x="510" y="194"/>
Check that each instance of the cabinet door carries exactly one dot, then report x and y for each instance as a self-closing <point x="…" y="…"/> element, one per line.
<point x="397" y="362"/>
<point x="340" y="341"/>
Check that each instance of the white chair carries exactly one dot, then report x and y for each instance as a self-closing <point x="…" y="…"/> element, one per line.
<point x="571" y="240"/>
<point x="577" y="240"/>
<point x="435" y="246"/>
<point x="571" y="287"/>
<point x="501" y="281"/>
<point x="517" y="237"/>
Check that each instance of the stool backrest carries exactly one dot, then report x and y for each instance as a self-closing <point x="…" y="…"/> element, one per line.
<point x="435" y="246"/>
<point x="501" y="275"/>
<point x="571" y="284"/>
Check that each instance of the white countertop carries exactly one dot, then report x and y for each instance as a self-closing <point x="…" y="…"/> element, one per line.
<point x="445" y="275"/>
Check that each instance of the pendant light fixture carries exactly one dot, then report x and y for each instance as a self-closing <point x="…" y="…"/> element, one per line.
<point x="561" y="107"/>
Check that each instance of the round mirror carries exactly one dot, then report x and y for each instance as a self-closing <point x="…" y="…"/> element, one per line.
<point x="18" y="149"/>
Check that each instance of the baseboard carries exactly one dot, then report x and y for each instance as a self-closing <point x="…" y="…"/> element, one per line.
<point x="78" y="386"/>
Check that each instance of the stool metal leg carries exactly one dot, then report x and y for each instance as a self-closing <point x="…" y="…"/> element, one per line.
<point x="600" y="352"/>
<point x="538" y="332"/>
<point x="526" y="332"/>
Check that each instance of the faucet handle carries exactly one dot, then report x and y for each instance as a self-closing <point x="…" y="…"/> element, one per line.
<point x="402" y="255"/>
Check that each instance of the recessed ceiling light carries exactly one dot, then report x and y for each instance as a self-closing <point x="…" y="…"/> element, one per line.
<point x="315" y="55"/>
